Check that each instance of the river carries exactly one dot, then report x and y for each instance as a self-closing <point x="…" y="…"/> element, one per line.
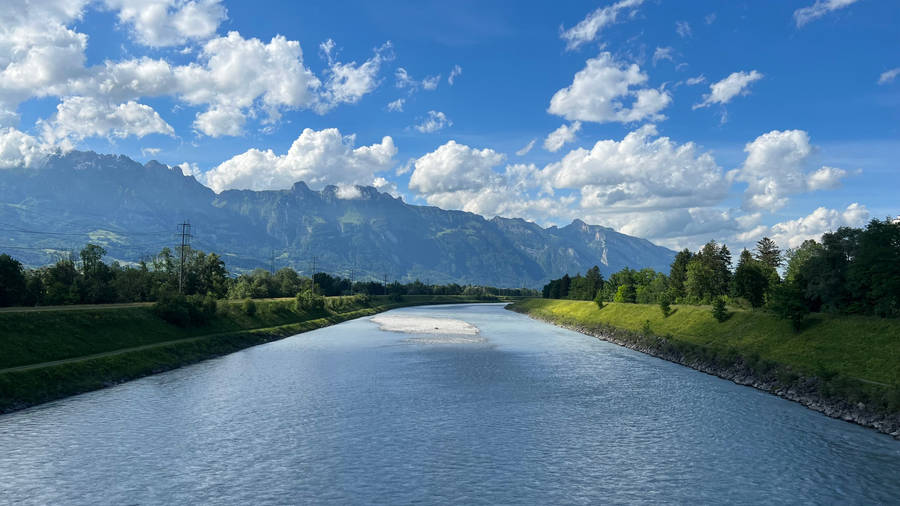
<point x="521" y="412"/>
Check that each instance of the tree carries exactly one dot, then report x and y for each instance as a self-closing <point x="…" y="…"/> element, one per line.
<point x="873" y="276"/>
<point x="718" y="310"/>
<point x="750" y="280"/>
<point x="788" y="303"/>
<point x="626" y="293"/>
<point x="12" y="281"/>
<point x="664" y="305"/>
<point x="678" y="273"/>
<point x="768" y="253"/>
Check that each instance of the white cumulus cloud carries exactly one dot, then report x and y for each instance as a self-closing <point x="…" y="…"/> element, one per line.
<point x="158" y="23"/>
<point x="723" y="91"/>
<point x="792" y="233"/>
<point x="642" y="171"/>
<point x="601" y="92"/>
<point x="18" y="149"/>
<point x="435" y="121"/>
<point x="80" y="117"/>
<point x="775" y="169"/>
<point x="562" y="135"/>
<point x="316" y="157"/>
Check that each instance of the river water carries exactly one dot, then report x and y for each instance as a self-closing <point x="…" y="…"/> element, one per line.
<point x="524" y="412"/>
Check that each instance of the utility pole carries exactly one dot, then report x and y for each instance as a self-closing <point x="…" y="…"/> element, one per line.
<point x="351" y="280"/>
<point x="185" y="246"/>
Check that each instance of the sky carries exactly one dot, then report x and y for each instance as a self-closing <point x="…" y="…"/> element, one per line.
<point x="675" y="121"/>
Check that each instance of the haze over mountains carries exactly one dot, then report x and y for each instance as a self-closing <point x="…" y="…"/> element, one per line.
<point x="133" y="211"/>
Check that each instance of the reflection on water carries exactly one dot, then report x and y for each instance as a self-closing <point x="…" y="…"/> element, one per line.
<point x="353" y="414"/>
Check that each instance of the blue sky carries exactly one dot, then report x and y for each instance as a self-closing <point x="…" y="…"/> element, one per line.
<point x="676" y="121"/>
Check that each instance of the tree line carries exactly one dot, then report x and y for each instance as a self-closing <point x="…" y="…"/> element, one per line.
<point x="86" y="278"/>
<point x="851" y="270"/>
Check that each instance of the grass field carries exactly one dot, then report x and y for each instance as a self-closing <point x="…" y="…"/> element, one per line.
<point x="861" y="347"/>
<point x="45" y="355"/>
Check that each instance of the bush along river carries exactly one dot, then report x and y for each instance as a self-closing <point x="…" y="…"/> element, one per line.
<point x="463" y="403"/>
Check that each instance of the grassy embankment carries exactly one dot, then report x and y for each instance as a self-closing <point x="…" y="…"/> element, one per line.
<point x="851" y="358"/>
<point x="46" y="355"/>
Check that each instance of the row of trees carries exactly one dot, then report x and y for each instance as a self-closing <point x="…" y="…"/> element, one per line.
<point x="852" y="270"/>
<point x="87" y="279"/>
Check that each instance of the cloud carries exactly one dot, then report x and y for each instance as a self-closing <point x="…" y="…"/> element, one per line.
<point x="774" y="170"/>
<point x="663" y="53"/>
<point x="599" y="93"/>
<point x="792" y="233"/>
<point x="316" y="157"/>
<point x="348" y="82"/>
<point x="396" y="105"/>
<point x="710" y="18"/>
<point x="640" y="172"/>
<point x="723" y="91"/>
<point x="888" y="76"/>
<point x="435" y="121"/>
<point x="525" y="149"/>
<point x="383" y="185"/>
<point x="158" y="23"/>
<point x="404" y="80"/>
<point x="18" y="149"/>
<point x="454" y="73"/>
<point x="819" y="9"/>
<point x="683" y="29"/>
<point x="190" y="169"/>
<point x="37" y="51"/>
<point x="561" y="136"/>
<point x="692" y="81"/>
<point x="587" y="29"/>
<point x="79" y="117"/>
<point x="453" y="167"/>
<point x="456" y="176"/>
<point x="150" y="151"/>
<point x="431" y="83"/>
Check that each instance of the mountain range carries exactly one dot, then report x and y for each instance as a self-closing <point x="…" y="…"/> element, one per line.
<point x="134" y="210"/>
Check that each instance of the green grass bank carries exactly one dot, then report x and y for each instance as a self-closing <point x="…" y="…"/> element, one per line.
<point x="844" y="366"/>
<point x="47" y="355"/>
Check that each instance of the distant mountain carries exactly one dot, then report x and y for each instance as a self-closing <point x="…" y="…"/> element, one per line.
<point x="132" y="210"/>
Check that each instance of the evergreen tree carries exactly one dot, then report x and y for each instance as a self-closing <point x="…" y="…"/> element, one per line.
<point x="678" y="273"/>
<point x="768" y="253"/>
<point x="750" y="280"/>
<point x="718" y="310"/>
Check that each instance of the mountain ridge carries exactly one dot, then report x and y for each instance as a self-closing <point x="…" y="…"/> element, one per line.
<point x="132" y="209"/>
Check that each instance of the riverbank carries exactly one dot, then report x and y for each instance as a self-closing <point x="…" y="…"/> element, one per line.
<point x="49" y="355"/>
<point x="847" y="367"/>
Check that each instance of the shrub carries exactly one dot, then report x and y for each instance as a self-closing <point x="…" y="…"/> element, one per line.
<point x="307" y="300"/>
<point x="664" y="305"/>
<point x="646" y="330"/>
<point x="249" y="307"/>
<point x="598" y="299"/>
<point x="718" y="310"/>
<point x="788" y="303"/>
<point x="194" y="310"/>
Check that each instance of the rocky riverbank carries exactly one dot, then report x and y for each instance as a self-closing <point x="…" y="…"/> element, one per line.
<point x="813" y="392"/>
